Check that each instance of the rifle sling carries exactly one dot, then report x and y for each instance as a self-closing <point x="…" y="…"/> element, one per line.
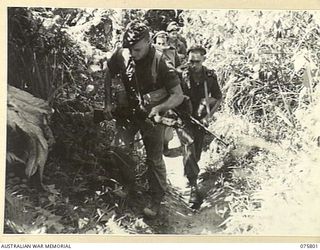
<point x="206" y="94"/>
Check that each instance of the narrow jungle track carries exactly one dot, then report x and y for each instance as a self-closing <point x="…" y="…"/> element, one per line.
<point x="176" y="216"/>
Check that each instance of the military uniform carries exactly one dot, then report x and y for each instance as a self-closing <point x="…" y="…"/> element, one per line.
<point x="195" y="90"/>
<point x="139" y="80"/>
<point x="179" y="46"/>
<point x="171" y="54"/>
<point x="179" y="43"/>
<point x="182" y="39"/>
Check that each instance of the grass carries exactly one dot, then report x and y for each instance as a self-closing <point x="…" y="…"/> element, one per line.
<point x="275" y="186"/>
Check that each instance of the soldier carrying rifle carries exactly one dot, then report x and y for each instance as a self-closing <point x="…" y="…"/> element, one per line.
<point x="134" y="64"/>
<point x="200" y="84"/>
<point x="201" y="87"/>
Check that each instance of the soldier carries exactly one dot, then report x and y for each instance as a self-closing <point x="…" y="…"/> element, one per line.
<point x="134" y="63"/>
<point x="201" y="85"/>
<point x="161" y="41"/>
<point x="191" y="168"/>
<point x="180" y="37"/>
<point x="174" y="40"/>
<point x="189" y="144"/>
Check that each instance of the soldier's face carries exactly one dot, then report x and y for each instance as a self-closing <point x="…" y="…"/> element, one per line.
<point x="140" y="49"/>
<point x="173" y="34"/>
<point x="161" y="42"/>
<point x="195" y="60"/>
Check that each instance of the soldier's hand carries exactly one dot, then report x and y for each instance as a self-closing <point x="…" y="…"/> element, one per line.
<point x="205" y="121"/>
<point x="155" y="111"/>
<point x="107" y="111"/>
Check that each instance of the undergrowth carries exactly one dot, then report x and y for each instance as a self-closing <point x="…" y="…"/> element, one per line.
<point x="266" y="63"/>
<point x="264" y="183"/>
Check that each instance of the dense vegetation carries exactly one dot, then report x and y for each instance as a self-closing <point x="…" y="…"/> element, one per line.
<point x="267" y="63"/>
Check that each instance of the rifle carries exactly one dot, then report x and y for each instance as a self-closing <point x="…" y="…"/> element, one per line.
<point x="195" y="123"/>
<point x="179" y="121"/>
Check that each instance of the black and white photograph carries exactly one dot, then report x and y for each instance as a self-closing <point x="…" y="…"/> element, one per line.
<point x="162" y="122"/>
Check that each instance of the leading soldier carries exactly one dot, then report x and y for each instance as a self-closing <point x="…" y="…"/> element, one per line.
<point x="134" y="64"/>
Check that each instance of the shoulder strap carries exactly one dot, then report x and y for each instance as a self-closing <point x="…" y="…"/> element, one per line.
<point x="207" y="73"/>
<point x="206" y="95"/>
<point x="155" y="65"/>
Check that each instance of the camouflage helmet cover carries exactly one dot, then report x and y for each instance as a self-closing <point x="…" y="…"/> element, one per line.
<point x="135" y="32"/>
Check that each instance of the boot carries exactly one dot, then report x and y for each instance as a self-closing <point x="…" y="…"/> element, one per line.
<point x="151" y="211"/>
<point x="153" y="208"/>
<point x="194" y="195"/>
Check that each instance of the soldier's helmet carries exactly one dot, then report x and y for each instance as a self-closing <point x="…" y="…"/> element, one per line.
<point x="173" y="26"/>
<point x="135" y="32"/>
<point x="161" y="34"/>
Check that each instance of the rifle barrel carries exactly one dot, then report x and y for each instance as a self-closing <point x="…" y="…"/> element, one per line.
<point x="197" y="123"/>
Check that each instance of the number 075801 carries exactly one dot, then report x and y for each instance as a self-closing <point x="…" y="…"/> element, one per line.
<point x="305" y="245"/>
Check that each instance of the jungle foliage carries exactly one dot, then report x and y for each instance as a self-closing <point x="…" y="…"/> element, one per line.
<point x="267" y="64"/>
